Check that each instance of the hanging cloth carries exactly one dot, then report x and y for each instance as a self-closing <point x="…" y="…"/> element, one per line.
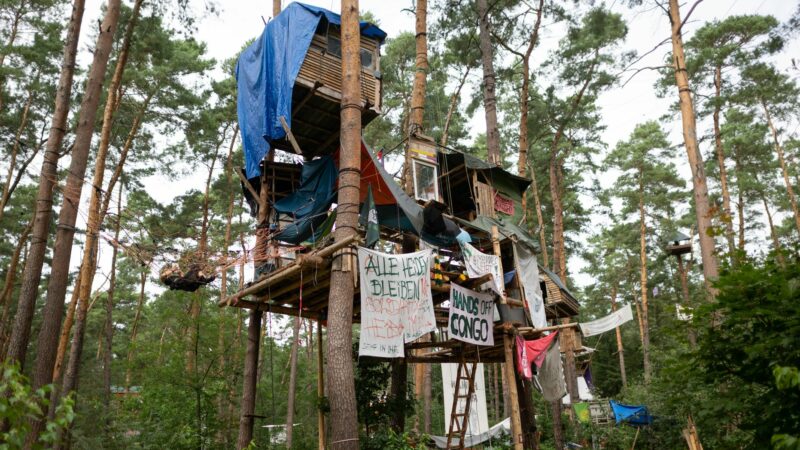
<point x="536" y="349"/>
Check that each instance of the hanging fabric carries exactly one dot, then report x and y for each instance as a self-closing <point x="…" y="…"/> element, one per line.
<point x="608" y="322"/>
<point x="528" y="271"/>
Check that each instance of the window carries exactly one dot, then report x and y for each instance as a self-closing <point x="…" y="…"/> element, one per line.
<point x="334" y="46"/>
<point x="426" y="186"/>
<point x="366" y="58"/>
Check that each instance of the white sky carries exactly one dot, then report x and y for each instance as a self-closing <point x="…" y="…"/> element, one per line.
<point x="622" y="108"/>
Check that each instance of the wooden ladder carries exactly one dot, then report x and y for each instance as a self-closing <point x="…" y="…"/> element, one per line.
<point x="465" y="378"/>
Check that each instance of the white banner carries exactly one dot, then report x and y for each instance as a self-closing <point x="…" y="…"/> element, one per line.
<point x="608" y="322"/>
<point x="471" y="316"/>
<point x="479" y="264"/>
<point x="478" y="420"/>
<point x="396" y="302"/>
<point x="528" y="273"/>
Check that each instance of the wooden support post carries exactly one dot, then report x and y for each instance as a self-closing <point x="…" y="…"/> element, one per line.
<point x="511" y="380"/>
<point x="250" y="380"/>
<point x="320" y="387"/>
<point x="496" y="248"/>
<point x="290" y="136"/>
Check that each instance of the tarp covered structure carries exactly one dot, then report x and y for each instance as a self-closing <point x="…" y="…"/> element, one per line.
<point x="266" y="73"/>
<point x="308" y="205"/>
<point x="505" y="184"/>
<point x="632" y="414"/>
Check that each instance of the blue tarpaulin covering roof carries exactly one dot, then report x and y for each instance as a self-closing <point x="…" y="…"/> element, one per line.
<point x="266" y="72"/>
<point x="632" y="414"/>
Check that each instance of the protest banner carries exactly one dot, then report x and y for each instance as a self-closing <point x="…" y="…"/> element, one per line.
<point x="479" y="264"/>
<point x="471" y="316"/>
<point x="608" y="322"/>
<point x="396" y="301"/>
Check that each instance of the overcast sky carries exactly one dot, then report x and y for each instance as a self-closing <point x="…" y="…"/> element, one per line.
<point x="622" y="107"/>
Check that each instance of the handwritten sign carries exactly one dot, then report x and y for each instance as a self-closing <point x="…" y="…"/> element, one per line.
<point x="503" y="204"/>
<point x="396" y="301"/>
<point x="471" y="316"/>
<point x="479" y="264"/>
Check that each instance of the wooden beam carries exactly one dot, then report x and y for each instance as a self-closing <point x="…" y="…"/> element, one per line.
<point x="284" y="273"/>
<point x="305" y="99"/>
<point x="290" y="136"/>
<point x="249" y="187"/>
<point x="510" y="374"/>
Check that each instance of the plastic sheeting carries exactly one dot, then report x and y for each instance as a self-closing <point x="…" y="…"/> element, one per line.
<point x="495" y="432"/>
<point x="632" y="414"/>
<point x="266" y="72"/>
<point x="529" y="277"/>
<point x="309" y="204"/>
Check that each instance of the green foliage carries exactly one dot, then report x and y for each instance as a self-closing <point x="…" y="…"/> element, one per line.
<point x="19" y="404"/>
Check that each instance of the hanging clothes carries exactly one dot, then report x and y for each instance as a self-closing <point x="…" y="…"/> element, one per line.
<point x="536" y="349"/>
<point x="523" y="363"/>
<point x="551" y="375"/>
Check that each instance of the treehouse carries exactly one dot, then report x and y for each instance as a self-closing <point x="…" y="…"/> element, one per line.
<point x="679" y="244"/>
<point x="558" y="300"/>
<point x="290" y="84"/>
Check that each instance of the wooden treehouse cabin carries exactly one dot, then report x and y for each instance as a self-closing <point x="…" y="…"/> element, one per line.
<point x="317" y="95"/>
<point x="679" y="244"/>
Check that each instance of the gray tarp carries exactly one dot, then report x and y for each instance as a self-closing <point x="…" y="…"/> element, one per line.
<point x="551" y="375"/>
<point x="528" y="272"/>
<point x="472" y="440"/>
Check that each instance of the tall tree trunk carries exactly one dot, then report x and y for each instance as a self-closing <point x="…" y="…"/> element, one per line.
<point x="416" y="125"/>
<point x="12" y="36"/>
<point x="784" y="169"/>
<point x="489" y="97"/>
<point x="558" y="428"/>
<point x="31" y="277"/>
<point x="524" y="94"/>
<point x="48" y="337"/>
<point x="292" y="382"/>
<point x="276" y="8"/>
<point x="23" y="121"/>
<point x="539" y="219"/>
<point x="454" y="98"/>
<point x="246" y="418"/>
<point x="727" y="218"/>
<point x="496" y="391"/>
<point x="620" y="349"/>
<point x="11" y="276"/>
<point x="344" y="420"/>
<point x="109" y="324"/>
<point x="135" y="328"/>
<point x="643" y="282"/>
<point x="775" y="241"/>
<point x="740" y="194"/>
<point x="699" y="182"/>
<point x="683" y="271"/>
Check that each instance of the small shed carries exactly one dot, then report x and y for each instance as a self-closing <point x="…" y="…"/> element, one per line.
<point x="558" y="300"/>
<point x="491" y="191"/>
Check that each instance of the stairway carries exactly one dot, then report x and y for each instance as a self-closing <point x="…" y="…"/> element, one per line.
<point x="465" y="387"/>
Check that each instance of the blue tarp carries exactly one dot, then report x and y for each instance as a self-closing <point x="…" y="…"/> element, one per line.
<point x="309" y="204"/>
<point x="632" y="414"/>
<point x="266" y="72"/>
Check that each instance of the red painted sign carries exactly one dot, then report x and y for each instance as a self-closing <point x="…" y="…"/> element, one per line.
<point x="503" y="204"/>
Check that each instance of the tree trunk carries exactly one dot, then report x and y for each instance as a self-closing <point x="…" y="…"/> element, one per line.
<point x="699" y="182"/>
<point x="31" y="278"/>
<point x="527" y="413"/>
<point x="12" y="36"/>
<point x="292" y="382"/>
<point x="23" y="121"/>
<point x="344" y="420"/>
<point x="740" y="193"/>
<point x="620" y="350"/>
<point x="135" y="328"/>
<point x="775" y="241"/>
<point x="276" y="8"/>
<point x="398" y="391"/>
<point x="109" y="324"/>
<point x="454" y="98"/>
<point x="727" y="217"/>
<point x="246" y="418"/>
<point x="683" y="271"/>
<point x="523" y="103"/>
<point x="643" y="282"/>
<point x="416" y="125"/>
<point x="8" y="283"/>
<point x="558" y="428"/>
<point x="489" y="100"/>
<point x="496" y="391"/>
<point x="48" y="337"/>
<point x="784" y="169"/>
